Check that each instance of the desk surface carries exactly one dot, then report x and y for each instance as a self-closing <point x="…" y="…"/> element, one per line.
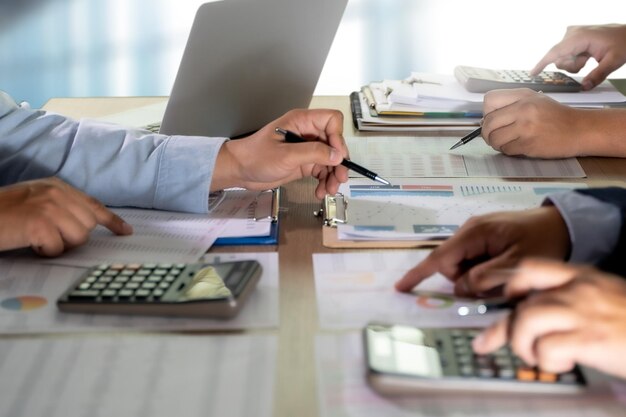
<point x="300" y="236"/>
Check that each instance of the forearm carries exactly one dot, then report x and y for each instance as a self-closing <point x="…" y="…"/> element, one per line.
<point x="601" y="132"/>
<point x="118" y="166"/>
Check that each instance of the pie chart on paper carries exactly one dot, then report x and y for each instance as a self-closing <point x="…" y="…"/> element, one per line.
<point x="23" y="303"/>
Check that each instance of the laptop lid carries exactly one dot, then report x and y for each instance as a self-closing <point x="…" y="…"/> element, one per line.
<point x="249" y="61"/>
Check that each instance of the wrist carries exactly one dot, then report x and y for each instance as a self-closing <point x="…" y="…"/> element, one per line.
<point x="227" y="172"/>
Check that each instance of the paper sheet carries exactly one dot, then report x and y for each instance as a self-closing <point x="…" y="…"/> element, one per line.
<point x="354" y="288"/>
<point x="444" y="87"/>
<point x="401" y="156"/>
<point x="427" y="208"/>
<point x="159" y="236"/>
<point x="343" y="391"/>
<point x="139" y="375"/>
<point x="28" y="293"/>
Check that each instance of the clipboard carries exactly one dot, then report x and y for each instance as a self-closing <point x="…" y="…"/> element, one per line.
<point x="335" y="212"/>
<point x="267" y="208"/>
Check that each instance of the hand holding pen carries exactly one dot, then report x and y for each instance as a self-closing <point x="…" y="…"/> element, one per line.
<point x="293" y="138"/>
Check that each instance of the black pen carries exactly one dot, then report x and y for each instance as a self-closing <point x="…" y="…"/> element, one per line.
<point x="488" y="305"/>
<point x="467" y="138"/>
<point x="293" y="138"/>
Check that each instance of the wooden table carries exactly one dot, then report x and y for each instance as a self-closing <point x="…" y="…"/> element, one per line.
<point x="300" y="236"/>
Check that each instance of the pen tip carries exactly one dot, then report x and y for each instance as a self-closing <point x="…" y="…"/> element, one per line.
<point x="456" y="145"/>
<point x="383" y="181"/>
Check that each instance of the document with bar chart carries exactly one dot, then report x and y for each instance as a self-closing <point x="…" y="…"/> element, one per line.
<point x="423" y="209"/>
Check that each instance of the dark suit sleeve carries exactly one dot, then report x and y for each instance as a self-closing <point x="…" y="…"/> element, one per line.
<point x="616" y="261"/>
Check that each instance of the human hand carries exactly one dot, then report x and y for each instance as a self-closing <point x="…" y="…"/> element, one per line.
<point x="491" y="242"/>
<point x="264" y="160"/>
<point x="572" y="315"/>
<point x="50" y="216"/>
<point x="523" y="122"/>
<point x="605" y="43"/>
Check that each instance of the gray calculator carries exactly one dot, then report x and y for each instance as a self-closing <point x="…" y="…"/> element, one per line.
<point x="165" y="289"/>
<point x="481" y="80"/>
<point x="405" y="359"/>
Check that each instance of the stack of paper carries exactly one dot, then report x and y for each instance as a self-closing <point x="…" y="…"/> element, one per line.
<point x="434" y="100"/>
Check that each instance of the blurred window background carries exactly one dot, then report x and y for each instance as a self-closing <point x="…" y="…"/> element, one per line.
<point x="78" y="48"/>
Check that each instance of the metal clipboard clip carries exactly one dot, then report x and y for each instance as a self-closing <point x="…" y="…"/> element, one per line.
<point x="267" y="210"/>
<point x="334" y="211"/>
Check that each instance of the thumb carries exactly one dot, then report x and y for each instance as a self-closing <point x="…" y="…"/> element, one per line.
<point x="535" y="274"/>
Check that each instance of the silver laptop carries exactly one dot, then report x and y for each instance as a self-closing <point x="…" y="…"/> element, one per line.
<point x="249" y="61"/>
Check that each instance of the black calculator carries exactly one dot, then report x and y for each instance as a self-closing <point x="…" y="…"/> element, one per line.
<point x="405" y="359"/>
<point x="481" y="80"/>
<point x="164" y="289"/>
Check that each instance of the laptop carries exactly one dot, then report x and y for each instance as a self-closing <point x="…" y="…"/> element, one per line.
<point x="246" y="63"/>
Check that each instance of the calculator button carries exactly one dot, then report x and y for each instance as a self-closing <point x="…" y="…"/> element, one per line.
<point x="84" y="294"/>
<point x="111" y="272"/>
<point x="149" y="285"/>
<point x="91" y="279"/>
<point x="158" y="293"/>
<point x="103" y="266"/>
<point x="160" y="272"/>
<point x="165" y="266"/>
<point x="164" y="285"/>
<point x="466" y="370"/>
<point x="121" y="278"/>
<point x="526" y="374"/>
<point x="155" y="278"/>
<point x="547" y="376"/>
<point x="105" y="279"/>
<point x="117" y="266"/>
<point x="108" y="293"/>
<point x="142" y="293"/>
<point x="170" y="278"/>
<point x="99" y="286"/>
<point x="144" y="271"/>
<point x="96" y="273"/>
<point x="125" y="293"/>
<point x="137" y="278"/>
<point x="133" y="266"/>
<point x="506" y="373"/>
<point x="84" y="286"/>
<point x="115" y="285"/>
<point x="127" y="272"/>
<point x="132" y="285"/>
<point x="149" y="266"/>
<point x="486" y="372"/>
<point x="175" y="271"/>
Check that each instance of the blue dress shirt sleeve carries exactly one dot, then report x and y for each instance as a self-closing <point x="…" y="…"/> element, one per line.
<point x="116" y="165"/>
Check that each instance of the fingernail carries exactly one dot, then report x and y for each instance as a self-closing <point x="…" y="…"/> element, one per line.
<point x="587" y="85"/>
<point x="127" y="228"/>
<point x="334" y="155"/>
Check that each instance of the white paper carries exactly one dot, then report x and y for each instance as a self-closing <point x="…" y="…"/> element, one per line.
<point x="422" y="157"/>
<point x="158" y="236"/>
<point x="245" y="223"/>
<point x="28" y="293"/>
<point x="426" y="208"/>
<point x="139" y="375"/>
<point x="343" y="391"/>
<point x="354" y="288"/>
<point x="445" y="87"/>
